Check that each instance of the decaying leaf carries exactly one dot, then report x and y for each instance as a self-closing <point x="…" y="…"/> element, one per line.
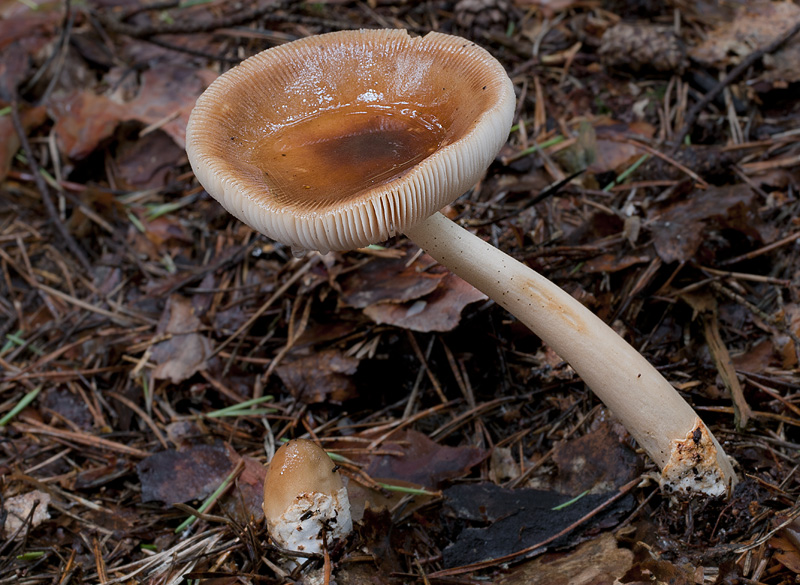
<point x="324" y="376"/>
<point x="391" y="280"/>
<point x="420" y="296"/>
<point x="417" y="459"/>
<point x="439" y="311"/>
<point x="244" y="503"/>
<point x="599" y="461"/>
<point x="597" y="562"/>
<point x="679" y="230"/>
<point x="83" y="119"/>
<point x="190" y="474"/>
<point x="755" y="25"/>
<point x="185" y="351"/>
<point x="18" y="513"/>
<point x="21" y="37"/>
<point x="9" y="141"/>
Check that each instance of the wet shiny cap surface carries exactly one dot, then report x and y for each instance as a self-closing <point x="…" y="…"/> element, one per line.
<point x="298" y="467"/>
<point x="341" y="140"/>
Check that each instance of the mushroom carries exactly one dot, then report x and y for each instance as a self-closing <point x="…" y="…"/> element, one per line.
<point x="341" y="140"/>
<point x="305" y="500"/>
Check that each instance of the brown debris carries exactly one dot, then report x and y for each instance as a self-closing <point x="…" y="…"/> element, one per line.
<point x="325" y="376"/>
<point x="185" y="475"/>
<point x="184" y="351"/>
<point x="642" y="47"/>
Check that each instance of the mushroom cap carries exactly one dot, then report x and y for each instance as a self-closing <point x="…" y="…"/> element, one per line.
<point x="341" y="140"/>
<point x="298" y="467"/>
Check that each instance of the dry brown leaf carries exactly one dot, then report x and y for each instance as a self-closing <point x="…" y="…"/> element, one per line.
<point x="390" y="280"/>
<point x="185" y="352"/>
<point x="439" y="311"/>
<point x="244" y="503"/>
<point x="325" y="376"/>
<point x="417" y="459"/>
<point x="9" y="141"/>
<point x="679" y="230"/>
<point x="597" y="562"/>
<point x="599" y="461"/>
<point x="167" y="94"/>
<point x="21" y="37"/>
<point x="19" y="510"/>
<point x="755" y="25"/>
<point x="190" y="474"/>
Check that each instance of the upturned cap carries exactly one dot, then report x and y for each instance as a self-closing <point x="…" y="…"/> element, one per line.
<point x="341" y="140"/>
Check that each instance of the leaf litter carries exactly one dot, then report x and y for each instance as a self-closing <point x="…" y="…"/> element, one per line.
<point x="145" y="340"/>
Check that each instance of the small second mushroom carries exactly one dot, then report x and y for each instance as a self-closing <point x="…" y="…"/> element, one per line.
<point x="305" y="500"/>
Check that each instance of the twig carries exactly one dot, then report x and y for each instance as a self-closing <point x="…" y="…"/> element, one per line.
<point x="37" y="428"/>
<point x="192" y="52"/>
<point x="52" y="212"/>
<point x="746" y="63"/>
<point x="762" y="250"/>
<point x="188" y="26"/>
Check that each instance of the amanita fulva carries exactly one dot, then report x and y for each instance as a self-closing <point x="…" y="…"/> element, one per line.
<point x="341" y="140"/>
<point x="304" y="498"/>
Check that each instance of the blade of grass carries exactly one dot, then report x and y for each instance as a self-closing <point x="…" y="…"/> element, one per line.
<point x="212" y="498"/>
<point x="627" y="173"/>
<point x="569" y="502"/>
<point x="11" y="341"/>
<point x="408" y="490"/>
<point x="26" y="400"/>
<point x="16" y="339"/>
<point x="237" y="409"/>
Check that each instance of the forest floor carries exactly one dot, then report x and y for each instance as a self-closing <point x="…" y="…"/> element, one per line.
<point x="154" y="351"/>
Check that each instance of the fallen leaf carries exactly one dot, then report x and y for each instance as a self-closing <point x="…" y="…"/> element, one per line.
<point x="147" y="162"/>
<point x="611" y="150"/>
<point x="786" y="552"/>
<point x="18" y="510"/>
<point x="325" y="376"/>
<point x="23" y="36"/>
<point x="181" y="476"/>
<point x="244" y="503"/>
<point x="68" y="406"/>
<point x="611" y="262"/>
<point x="186" y="351"/>
<point x="784" y="342"/>
<point x="390" y="280"/>
<point x="758" y="358"/>
<point x="679" y="230"/>
<point x="83" y="119"/>
<point x="599" y="461"/>
<point x="439" y="311"/>
<point x="756" y="24"/>
<point x="416" y="459"/>
<point x="9" y="141"/>
<point x="597" y="562"/>
<point x="549" y="8"/>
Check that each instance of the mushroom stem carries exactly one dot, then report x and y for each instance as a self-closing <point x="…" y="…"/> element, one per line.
<point x="660" y="420"/>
